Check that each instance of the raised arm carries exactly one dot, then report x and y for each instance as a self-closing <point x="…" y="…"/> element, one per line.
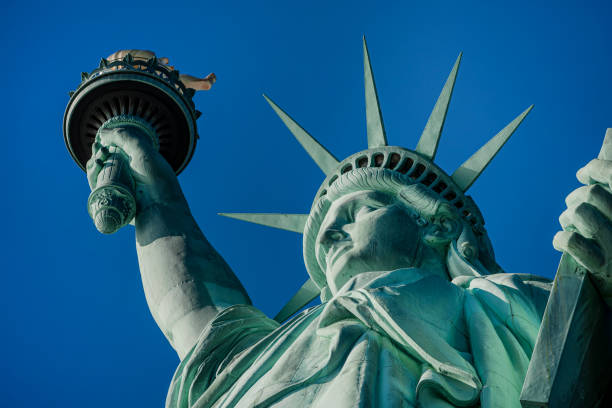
<point x="186" y="282"/>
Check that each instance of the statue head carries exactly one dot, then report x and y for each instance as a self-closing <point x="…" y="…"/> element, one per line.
<point x="388" y="207"/>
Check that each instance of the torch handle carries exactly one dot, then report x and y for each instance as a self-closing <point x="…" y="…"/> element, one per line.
<point x="111" y="204"/>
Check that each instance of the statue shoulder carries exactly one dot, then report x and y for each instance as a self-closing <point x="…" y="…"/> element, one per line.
<point x="509" y="290"/>
<point x="512" y="280"/>
<point x="517" y="280"/>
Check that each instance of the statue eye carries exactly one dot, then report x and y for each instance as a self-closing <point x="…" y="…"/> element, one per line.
<point x="363" y="211"/>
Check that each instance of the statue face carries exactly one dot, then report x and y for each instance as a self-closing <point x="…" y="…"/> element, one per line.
<point x="366" y="231"/>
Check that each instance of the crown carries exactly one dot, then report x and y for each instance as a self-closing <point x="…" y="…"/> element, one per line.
<point x="380" y="167"/>
<point x="133" y="87"/>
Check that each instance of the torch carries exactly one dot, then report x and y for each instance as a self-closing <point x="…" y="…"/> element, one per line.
<point x="144" y="95"/>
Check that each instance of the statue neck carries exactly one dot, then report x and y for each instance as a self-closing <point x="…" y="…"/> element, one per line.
<point x="432" y="260"/>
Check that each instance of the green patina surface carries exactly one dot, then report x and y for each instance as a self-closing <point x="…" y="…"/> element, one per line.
<point x="415" y="311"/>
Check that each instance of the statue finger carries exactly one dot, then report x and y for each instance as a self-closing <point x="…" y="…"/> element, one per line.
<point x="596" y="171"/>
<point x="99" y="151"/>
<point x="128" y="140"/>
<point x="590" y="223"/>
<point x="94" y="166"/>
<point x="94" y="148"/>
<point x="91" y="164"/>
<point x="101" y="154"/>
<point x="586" y="252"/>
<point x="96" y="163"/>
<point x="596" y="195"/>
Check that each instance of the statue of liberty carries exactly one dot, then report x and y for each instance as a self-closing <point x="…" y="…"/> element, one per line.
<point x="415" y="311"/>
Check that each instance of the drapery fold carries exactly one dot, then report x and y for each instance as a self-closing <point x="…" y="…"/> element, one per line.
<point x="394" y="339"/>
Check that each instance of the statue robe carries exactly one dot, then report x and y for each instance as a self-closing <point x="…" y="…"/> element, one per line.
<point x="394" y="339"/>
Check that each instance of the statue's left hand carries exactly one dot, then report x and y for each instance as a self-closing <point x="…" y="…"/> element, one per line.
<point x="587" y="222"/>
<point x="155" y="180"/>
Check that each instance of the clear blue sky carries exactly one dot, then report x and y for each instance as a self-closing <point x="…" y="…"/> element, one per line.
<point x="76" y="331"/>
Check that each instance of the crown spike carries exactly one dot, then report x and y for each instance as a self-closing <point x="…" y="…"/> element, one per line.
<point x="428" y="143"/>
<point x="289" y="222"/>
<point x="308" y="292"/>
<point x="473" y="167"/>
<point x="324" y="159"/>
<point x="374" y="121"/>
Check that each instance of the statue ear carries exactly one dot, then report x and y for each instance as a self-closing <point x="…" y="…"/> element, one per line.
<point x="444" y="227"/>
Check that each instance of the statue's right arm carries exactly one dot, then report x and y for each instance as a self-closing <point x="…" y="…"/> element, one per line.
<point x="186" y="282"/>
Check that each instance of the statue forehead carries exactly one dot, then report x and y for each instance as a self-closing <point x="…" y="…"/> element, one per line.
<point x="413" y="198"/>
<point x="350" y="199"/>
<point x="352" y="202"/>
